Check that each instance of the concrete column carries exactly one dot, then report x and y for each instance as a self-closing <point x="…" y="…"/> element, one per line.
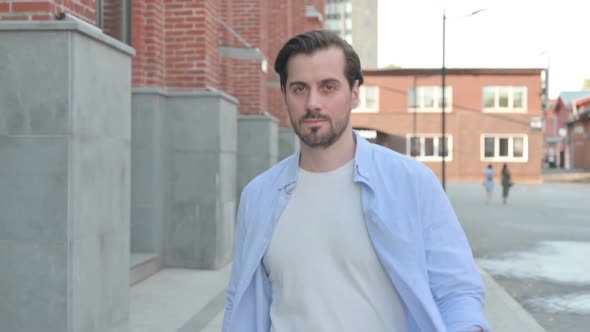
<point x="257" y="146"/>
<point x="65" y="102"/>
<point x="148" y="166"/>
<point x="200" y="154"/>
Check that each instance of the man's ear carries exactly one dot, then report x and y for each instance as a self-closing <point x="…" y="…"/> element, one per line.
<point x="355" y="94"/>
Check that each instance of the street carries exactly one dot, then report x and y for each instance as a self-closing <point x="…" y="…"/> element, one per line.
<point x="537" y="247"/>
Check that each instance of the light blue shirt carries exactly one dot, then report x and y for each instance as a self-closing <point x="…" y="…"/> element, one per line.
<point x="410" y="222"/>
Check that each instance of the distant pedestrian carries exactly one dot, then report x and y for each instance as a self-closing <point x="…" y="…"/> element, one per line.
<point x="506" y="183"/>
<point x="489" y="183"/>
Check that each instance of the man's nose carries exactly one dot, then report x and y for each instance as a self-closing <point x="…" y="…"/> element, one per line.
<point x="313" y="101"/>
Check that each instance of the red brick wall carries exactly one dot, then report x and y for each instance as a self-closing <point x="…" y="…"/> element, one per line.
<point x="191" y="35"/>
<point x="47" y="9"/>
<point x="581" y="144"/>
<point x="245" y="78"/>
<point x="561" y="117"/>
<point x="113" y="18"/>
<point x="580" y="136"/>
<point x="465" y="123"/>
<point x="228" y="38"/>
<point x="147" y="33"/>
<point x="298" y="20"/>
<point x="562" y="113"/>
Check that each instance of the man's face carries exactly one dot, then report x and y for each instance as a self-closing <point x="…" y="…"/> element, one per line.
<point x="318" y="97"/>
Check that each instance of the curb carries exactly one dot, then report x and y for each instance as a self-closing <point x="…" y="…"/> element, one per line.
<point x="567" y="177"/>
<point x="503" y="313"/>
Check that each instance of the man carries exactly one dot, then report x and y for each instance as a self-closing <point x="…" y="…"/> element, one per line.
<point x="346" y="235"/>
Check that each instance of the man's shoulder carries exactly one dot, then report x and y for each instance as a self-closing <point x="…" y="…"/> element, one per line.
<point x="269" y="178"/>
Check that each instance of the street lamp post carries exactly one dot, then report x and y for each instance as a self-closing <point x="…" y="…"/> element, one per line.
<point x="444" y="113"/>
<point x="444" y="117"/>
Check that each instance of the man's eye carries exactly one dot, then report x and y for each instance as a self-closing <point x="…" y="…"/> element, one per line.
<point x="330" y="87"/>
<point x="299" y="89"/>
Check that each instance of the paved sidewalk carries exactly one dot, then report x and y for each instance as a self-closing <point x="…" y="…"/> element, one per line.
<point x="503" y="312"/>
<point x="177" y="300"/>
<point x="193" y="300"/>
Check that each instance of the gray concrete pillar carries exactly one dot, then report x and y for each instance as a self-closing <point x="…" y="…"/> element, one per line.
<point x="257" y="146"/>
<point x="288" y="142"/>
<point x="200" y="154"/>
<point x="65" y="101"/>
<point x="148" y="176"/>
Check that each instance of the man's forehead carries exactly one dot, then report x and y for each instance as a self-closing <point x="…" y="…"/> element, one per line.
<point x="323" y="64"/>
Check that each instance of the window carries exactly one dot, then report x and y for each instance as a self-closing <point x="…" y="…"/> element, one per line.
<point x="368" y="134"/>
<point x="114" y="18"/>
<point x="429" y="99"/>
<point x="504" y="148"/>
<point x="504" y="99"/>
<point x="368" y="99"/>
<point x="348" y="6"/>
<point x="333" y="24"/>
<point x="430" y="147"/>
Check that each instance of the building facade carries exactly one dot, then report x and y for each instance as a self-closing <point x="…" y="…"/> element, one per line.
<point x="356" y="21"/>
<point x="559" y="138"/>
<point x="130" y="131"/>
<point x="579" y="134"/>
<point x="492" y="116"/>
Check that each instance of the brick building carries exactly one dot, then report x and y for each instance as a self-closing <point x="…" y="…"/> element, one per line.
<point x="493" y="116"/>
<point x="129" y="131"/>
<point x="226" y="45"/>
<point x="558" y="134"/>
<point x="579" y="129"/>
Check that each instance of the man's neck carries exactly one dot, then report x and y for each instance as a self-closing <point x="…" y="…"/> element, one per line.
<point x="330" y="158"/>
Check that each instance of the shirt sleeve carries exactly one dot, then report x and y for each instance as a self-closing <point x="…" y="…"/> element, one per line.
<point x="236" y="270"/>
<point x="454" y="280"/>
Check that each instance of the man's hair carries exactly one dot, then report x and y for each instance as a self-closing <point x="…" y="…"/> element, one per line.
<point x="313" y="41"/>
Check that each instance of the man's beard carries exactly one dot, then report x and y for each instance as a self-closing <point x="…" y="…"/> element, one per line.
<point x="314" y="139"/>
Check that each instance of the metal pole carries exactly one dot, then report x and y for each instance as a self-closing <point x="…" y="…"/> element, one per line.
<point x="413" y="139"/>
<point x="444" y="74"/>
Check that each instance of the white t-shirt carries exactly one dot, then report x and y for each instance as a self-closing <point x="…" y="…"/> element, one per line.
<point x="324" y="272"/>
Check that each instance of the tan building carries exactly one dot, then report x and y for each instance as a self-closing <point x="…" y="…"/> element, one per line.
<point x="493" y="116"/>
<point x="356" y="21"/>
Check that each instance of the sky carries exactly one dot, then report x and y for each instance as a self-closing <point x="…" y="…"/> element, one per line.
<point x="507" y="34"/>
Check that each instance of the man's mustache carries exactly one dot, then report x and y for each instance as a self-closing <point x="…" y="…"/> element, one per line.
<point x="315" y="116"/>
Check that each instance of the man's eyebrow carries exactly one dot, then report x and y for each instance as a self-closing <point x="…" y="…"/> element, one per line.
<point x="330" y="80"/>
<point x="297" y="83"/>
<point x="324" y="81"/>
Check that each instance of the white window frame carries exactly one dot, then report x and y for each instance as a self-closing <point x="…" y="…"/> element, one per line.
<point x="510" y="157"/>
<point x="510" y="109"/>
<point x="368" y="134"/>
<point x="362" y="107"/>
<point x="436" y="99"/>
<point x="436" y="142"/>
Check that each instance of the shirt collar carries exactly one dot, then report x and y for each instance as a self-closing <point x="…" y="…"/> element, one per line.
<point x="362" y="161"/>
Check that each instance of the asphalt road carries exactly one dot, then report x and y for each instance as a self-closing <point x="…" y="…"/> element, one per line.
<point x="537" y="247"/>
